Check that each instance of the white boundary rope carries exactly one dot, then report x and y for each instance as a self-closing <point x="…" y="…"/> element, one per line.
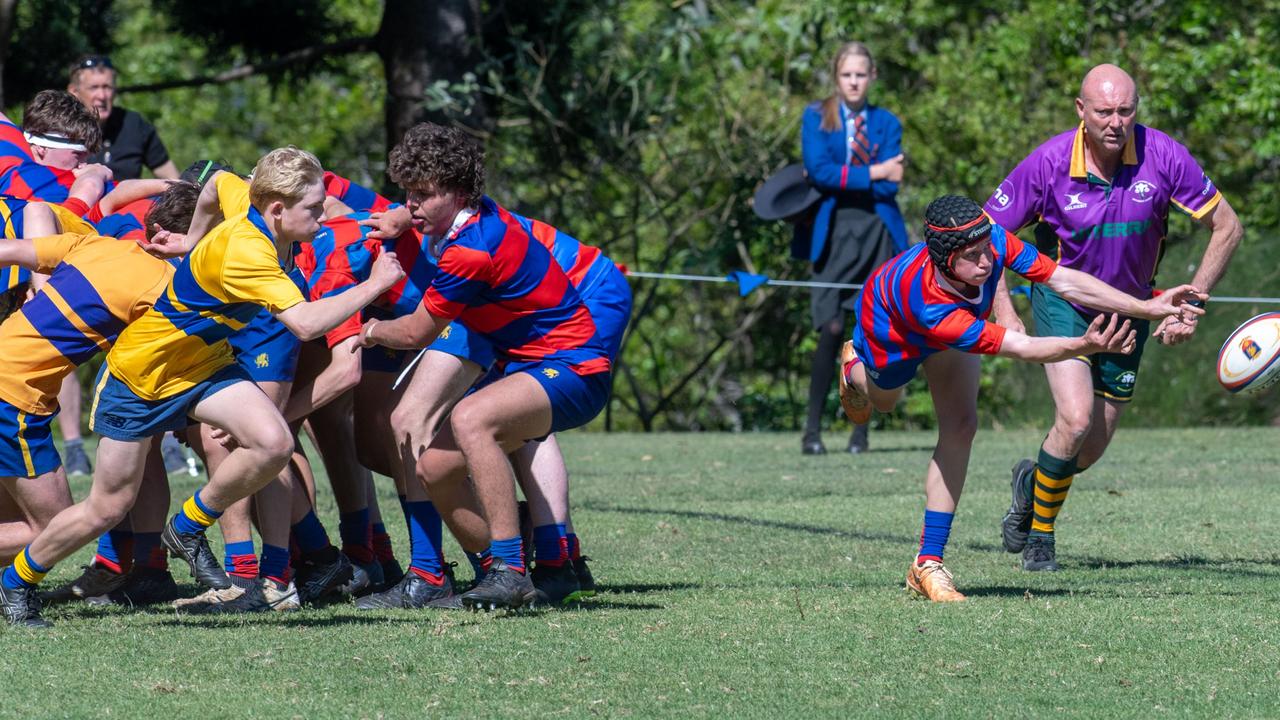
<point x="848" y="286"/>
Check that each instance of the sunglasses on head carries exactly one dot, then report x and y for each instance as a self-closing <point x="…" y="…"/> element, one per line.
<point x="94" y="61"/>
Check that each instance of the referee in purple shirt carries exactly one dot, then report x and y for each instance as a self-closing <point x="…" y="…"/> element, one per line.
<point x="1102" y="195"/>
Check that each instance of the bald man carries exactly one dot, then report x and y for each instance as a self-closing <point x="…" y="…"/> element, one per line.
<point x="1102" y="195"/>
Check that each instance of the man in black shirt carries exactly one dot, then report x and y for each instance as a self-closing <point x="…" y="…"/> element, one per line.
<point x="128" y="140"/>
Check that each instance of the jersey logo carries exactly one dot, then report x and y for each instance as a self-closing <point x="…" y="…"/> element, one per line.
<point x="444" y="334"/>
<point x="551" y="373"/>
<point x="1074" y="202"/>
<point x="263" y="360"/>
<point x="1143" y="191"/>
<point x="1127" y="378"/>
<point x="1003" y="195"/>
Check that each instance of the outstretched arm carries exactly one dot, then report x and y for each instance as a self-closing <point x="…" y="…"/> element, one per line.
<point x="1084" y="289"/>
<point x="1227" y="231"/>
<point x="127" y="191"/>
<point x="409" y="332"/>
<point x="1114" y="337"/>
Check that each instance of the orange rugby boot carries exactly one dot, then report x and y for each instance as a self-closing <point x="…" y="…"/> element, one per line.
<point x="856" y="404"/>
<point x="932" y="580"/>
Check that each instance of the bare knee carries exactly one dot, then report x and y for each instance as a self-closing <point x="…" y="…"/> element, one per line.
<point x="274" y="441"/>
<point x="106" y="511"/>
<point x="1073" y="425"/>
<point x="470" y="423"/>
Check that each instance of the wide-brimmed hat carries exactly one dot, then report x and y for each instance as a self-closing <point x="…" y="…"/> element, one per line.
<point x="786" y="193"/>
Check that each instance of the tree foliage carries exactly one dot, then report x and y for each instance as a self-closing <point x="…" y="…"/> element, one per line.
<point x="644" y="127"/>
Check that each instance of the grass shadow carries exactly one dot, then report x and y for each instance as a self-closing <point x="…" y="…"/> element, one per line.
<point x="628" y="588"/>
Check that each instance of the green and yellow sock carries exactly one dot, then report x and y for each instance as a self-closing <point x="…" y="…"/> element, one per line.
<point x="1052" y="481"/>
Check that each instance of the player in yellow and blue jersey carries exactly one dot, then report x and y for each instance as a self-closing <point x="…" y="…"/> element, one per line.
<point x="174" y="362"/>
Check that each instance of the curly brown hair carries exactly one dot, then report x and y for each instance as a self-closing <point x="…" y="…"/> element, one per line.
<point x="173" y="209"/>
<point x="439" y="157"/>
<point x="58" y="112"/>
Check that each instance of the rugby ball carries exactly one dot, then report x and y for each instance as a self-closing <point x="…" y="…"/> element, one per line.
<point x="1250" y="359"/>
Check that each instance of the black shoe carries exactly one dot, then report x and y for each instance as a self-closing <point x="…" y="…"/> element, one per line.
<point x="1017" y="521"/>
<point x="322" y="572"/>
<point x="21" y="607"/>
<point x="501" y="587"/>
<point x="413" y="592"/>
<point x="95" y="581"/>
<point x="812" y="445"/>
<point x="145" y="586"/>
<point x="194" y="549"/>
<point x="858" y="442"/>
<point x="231" y="600"/>
<point x="1039" y="555"/>
<point x="586" y="583"/>
<point x="555" y="585"/>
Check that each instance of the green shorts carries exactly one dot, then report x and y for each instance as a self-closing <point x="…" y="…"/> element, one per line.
<point x="1114" y="375"/>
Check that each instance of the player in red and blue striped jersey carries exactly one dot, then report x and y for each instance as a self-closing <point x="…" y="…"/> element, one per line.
<point x="355" y="196"/>
<point x="929" y="306"/>
<point x="500" y="282"/>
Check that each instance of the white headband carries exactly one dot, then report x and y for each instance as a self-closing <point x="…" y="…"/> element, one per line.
<point x="54" y="142"/>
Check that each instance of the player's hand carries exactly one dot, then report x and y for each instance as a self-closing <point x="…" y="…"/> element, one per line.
<point x="1175" y="302"/>
<point x="1011" y="321"/>
<point x="223" y="438"/>
<point x="1113" y="337"/>
<point x="890" y="169"/>
<point x="1174" y="330"/>
<point x="166" y="244"/>
<point x="363" y="340"/>
<point x="92" y="170"/>
<point x="389" y="224"/>
<point x="386" y="270"/>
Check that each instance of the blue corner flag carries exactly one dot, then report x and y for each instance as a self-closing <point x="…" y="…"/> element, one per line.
<point x="747" y="282"/>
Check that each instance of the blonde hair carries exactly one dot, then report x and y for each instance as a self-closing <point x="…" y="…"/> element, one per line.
<point x="831" y="106"/>
<point x="283" y="174"/>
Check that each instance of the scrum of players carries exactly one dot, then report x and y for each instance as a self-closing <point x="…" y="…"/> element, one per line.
<point x="442" y="342"/>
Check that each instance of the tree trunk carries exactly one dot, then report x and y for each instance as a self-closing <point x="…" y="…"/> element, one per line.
<point x="424" y="45"/>
<point x="7" y="8"/>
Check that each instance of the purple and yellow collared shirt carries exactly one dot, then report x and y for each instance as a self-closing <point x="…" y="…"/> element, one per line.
<point x="1112" y="230"/>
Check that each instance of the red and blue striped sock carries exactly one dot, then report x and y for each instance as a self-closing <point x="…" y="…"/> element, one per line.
<point x="310" y="534"/>
<point x="148" y="552"/>
<point x="510" y="551"/>
<point x="426" y="535"/>
<point x="275" y="564"/>
<point x="115" y="551"/>
<point x="381" y="541"/>
<point x="357" y="536"/>
<point x="933" y="539"/>
<point x="575" y="547"/>
<point x="239" y="559"/>
<point x="550" y="545"/>
<point x="480" y="562"/>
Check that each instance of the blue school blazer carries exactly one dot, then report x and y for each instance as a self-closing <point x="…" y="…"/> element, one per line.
<point x="824" y="161"/>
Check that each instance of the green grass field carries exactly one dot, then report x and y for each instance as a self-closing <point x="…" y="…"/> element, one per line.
<point x="742" y="579"/>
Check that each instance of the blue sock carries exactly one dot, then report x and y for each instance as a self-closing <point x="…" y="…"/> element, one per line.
<point x="239" y="559"/>
<point x="356" y="535"/>
<point x="310" y="533"/>
<point x="195" y="516"/>
<point x="426" y="535"/>
<point x="575" y="548"/>
<point x="115" y="551"/>
<point x="274" y="563"/>
<point x="480" y="562"/>
<point x="510" y="551"/>
<point x="933" y="541"/>
<point x="550" y="545"/>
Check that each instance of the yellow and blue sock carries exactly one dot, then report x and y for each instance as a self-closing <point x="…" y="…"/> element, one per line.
<point x="426" y="535"/>
<point x="274" y="564"/>
<point x="115" y="551"/>
<point x="356" y="535"/>
<point x="510" y="551"/>
<point x="24" y="572"/>
<point x="933" y="539"/>
<point x="195" y="516"/>
<point x="550" y="545"/>
<point x="148" y="552"/>
<point x="310" y="534"/>
<point x="1052" y="481"/>
<point x="240" y="559"/>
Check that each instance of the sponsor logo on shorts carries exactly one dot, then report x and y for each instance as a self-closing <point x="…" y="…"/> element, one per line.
<point x="444" y="334"/>
<point x="114" y="421"/>
<point x="263" y="360"/>
<point x="871" y="372"/>
<point x="1074" y="202"/>
<point x="1250" y="348"/>
<point x="551" y="373"/>
<point x="1143" y="191"/>
<point x="1127" y="379"/>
